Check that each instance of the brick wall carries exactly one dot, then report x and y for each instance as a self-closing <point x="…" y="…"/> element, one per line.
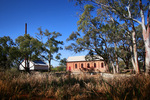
<point x="75" y="66"/>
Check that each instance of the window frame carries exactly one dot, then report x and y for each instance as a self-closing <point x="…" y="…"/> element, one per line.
<point x="82" y="65"/>
<point x="76" y="66"/>
<point x="102" y="65"/>
<point x="88" y="65"/>
<point x="94" y="65"/>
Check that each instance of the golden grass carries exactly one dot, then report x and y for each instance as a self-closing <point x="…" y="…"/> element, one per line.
<point x="16" y="85"/>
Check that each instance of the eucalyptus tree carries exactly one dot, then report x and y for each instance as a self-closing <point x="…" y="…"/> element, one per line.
<point x="7" y="46"/>
<point x="115" y="36"/>
<point x="101" y="37"/>
<point x="30" y="49"/>
<point x="126" y="51"/>
<point x="51" y="46"/>
<point x="94" y="38"/>
<point x="130" y="12"/>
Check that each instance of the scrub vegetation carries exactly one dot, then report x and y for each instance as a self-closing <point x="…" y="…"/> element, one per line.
<point x="43" y="85"/>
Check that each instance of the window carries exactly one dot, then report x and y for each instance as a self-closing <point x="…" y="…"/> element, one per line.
<point x="81" y="65"/>
<point x="88" y="65"/>
<point x="75" y="65"/>
<point x="102" y="65"/>
<point x="94" y="65"/>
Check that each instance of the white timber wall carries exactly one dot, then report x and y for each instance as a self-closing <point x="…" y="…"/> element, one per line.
<point x="22" y="65"/>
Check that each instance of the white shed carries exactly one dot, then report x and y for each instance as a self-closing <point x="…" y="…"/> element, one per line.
<point x="37" y="65"/>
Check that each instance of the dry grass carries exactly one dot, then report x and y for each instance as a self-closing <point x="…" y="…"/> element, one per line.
<point x="16" y="85"/>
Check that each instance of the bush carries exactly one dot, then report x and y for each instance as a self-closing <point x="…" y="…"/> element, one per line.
<point x="17" y="85"/>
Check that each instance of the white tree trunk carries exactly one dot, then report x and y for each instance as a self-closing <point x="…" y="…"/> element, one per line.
<point x="146" y="36"/>
<point x="148" y="44"/>
<point x="117" y="66"/>
<point x="114" y="69"/>
<point x="132" y="57"/>
<point x="135" y="53"/>
<point x="133" y="63"/>
<point x="135" y="57"/>
<point x="147" y="49"/>
<point x="116" y="58"/>
<point x="147" y="57"/>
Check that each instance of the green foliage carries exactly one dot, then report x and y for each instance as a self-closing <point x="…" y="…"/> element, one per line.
<point x="97" y="37"/>
<point x="63" y="62"/>
<point x="58" y="56"/>
<point x="29" y="49"/>
<point x="54" y="69"/>
<point x="51" y="46"/>
<point x="105" y="28"/>
<point x="61" y="68"/>
<point x="29" y="46"/>
<point x="7" y="52"/>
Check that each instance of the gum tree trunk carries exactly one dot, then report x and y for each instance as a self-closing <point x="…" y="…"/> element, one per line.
<point x="116" y="58"/>
<point x="134" y="50"/>
<point x="146" y="37"/>
<point x="135" y="53"/>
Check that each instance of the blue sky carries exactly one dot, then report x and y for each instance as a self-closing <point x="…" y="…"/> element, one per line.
<point x="54" y="15"/>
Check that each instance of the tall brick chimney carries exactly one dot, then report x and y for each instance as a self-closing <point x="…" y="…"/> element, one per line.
<point x="25" y="28"/>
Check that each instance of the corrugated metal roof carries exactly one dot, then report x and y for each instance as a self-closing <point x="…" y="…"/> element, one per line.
<point x="83" y="58"/>
<point x="39" y="62"/>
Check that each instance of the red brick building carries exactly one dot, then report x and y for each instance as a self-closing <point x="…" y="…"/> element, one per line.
<point x="76" y="63"/>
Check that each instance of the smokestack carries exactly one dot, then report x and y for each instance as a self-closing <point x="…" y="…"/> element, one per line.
<point x="25" y="28"/>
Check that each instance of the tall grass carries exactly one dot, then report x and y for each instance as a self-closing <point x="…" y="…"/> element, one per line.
<point x="17" y="85"/>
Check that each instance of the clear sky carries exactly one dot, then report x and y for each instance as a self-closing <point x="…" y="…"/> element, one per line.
<point x="54" y="15"/>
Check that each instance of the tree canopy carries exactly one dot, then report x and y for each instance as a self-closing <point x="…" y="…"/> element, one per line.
<point x="109" y="28"/>
<point x="51" y="46"/>
<point x="6" y="52"/>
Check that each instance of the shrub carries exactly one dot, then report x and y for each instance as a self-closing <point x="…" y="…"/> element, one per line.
<point x="17" y="85"/>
